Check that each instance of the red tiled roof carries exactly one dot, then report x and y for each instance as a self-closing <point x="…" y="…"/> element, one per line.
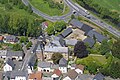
<point x="1" y="38"/>
<point x="81" y="67"/>
<point x="36" y="76"/>
<point x="57" y="72"/>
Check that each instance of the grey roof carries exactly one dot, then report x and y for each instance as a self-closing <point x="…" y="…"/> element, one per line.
<point x="55" y="66"/>
<point x="63" y="62"/>
<point x="7" y="74"/>
<point x="56" y="49"/>
<point x="86" y="28"/>
<point x="84" y="77"/>
<point x="71" y="42"/>
<point x="76" y="23"/>
<point x="10" y="38"/>
<point x="44" y="64"/>
<point x="89" y="41"/>
<point x="10" y="62"/>
<point x="58" y="41"/>
<point x="32" y="60"/>
<point x="3" y="52"/>
<point x="66" y="32"/>
<point x="19" y="73"/>
<point x="98" y="36"/>
<point x="15" y="53"/>
<point x="99" y="76"/>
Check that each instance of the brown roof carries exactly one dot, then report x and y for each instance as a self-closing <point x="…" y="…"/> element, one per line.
<point x="36" y="76"/>
<point x="57" y="72"/>
<point x="72" y="74"/>
<point x="81" y="67"/>
<point x="1" y="38"/>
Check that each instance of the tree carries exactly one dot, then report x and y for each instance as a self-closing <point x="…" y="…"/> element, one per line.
<point x="29" y="45"/>
<point x="105" y="47"/>
<point x="17" y="47"/>
<point x="24" y="40"/>
<point x="116" y="49"/>
<point x="80" y="50"/>
<point x="56" y="57"/>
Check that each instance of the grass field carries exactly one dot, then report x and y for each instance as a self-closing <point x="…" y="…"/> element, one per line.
<point x="44" y="7"/>
<point x="16" y="13"/>
<point x="113" y="5"/>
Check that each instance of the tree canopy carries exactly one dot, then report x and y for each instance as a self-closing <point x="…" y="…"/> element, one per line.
<point x="80" y="50"/>
<point x="56" y="57"/>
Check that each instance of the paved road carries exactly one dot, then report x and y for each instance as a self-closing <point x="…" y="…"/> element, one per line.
<point x="92" y="18"/>
<point x="51" y="18"/>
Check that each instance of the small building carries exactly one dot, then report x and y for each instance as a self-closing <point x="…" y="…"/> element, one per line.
<point x="18" y="55"/>
<point x="3" y="54"/>
<point x="86" y="28"/>
<point x="44" y="66"/>
<point x="99" y="37"/>
<point x="89" y="41"/>
<point x="44" y="25"/>
<point x="10" y="39"/>
<point x="1" y="39"/>
<point x="85" y="77"/>
<point x="19" y="75"/>
<point x="35" y="76"/>
<point x="71" y="42"/>
<point x="79" y="69"/>
<point x="63" y="65"/>
<point x="66" y="32"/>
<point x="9" y="65"/>
<point x="71" y="75"/>
<point x="76" y="23"/>
<point x="99" y="76"/>
<point x="56" y="74"/>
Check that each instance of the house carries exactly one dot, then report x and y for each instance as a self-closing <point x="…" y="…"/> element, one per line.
<point x="66" y="32"/>
<point x="56" y="74"/>
<point x="31" y="63"/>
<point x="63" y="65"/>
<point x="76" y="23"/>
<point x="1" y="39"/>
<point x="35" y="76"/>
<point x="10" y="39"/>
<point x="86" y="28"/>
<point x="44" y="66"/>
<point x="71" y="42"/>
<point x="3" y="54"/>
<point x="44" y="25"/>
<point x="85" y="77"/>
<point x="9" y="65"/>
<point x="18" y="55"/>
<point x="71" y="75"/>
<point x="98" y="76"/>
<point x="79" y="69"/>
<point x="99" y="37"/>
<point x="89" y="41"/>
<point x="19" y="75"/>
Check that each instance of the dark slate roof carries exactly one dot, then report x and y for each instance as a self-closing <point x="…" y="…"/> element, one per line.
<point x="10" y="62"/>
<point x="63" y="62"/>
<point x="98" y="36"/>
<point x="32" y="60"/>
<point x="89" y="41"/>
<point x="66" y="32"/>
<point x="44" y="64"/>
<point x="99" y="76"/>
<point x="76" y="23"/>
<point x="11" y="37"/>
<point x="86" y="28"/>
<point x="19" y="73"/>
<point x="15" y="53"/>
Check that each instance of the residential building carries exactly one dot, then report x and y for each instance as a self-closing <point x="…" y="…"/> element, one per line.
<point x="56" y="74"/>
<point x="1" y="39"/>
<point x="3" y="54"/>
<point x="35" y="76"/>
<point x="71" y="75"/>
<point x="89" y="41"/>
<point x="71" y="42"/>
<point x="79" y="69"/>
<point x="9" y="65"/>
<point x="10" y="39"/>
<point x="99" y="76"/>
<point x="63" y="65"/>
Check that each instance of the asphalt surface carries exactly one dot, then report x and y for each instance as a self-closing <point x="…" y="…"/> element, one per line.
<point x="51" y="18"/>
<point x="82" y="12"/>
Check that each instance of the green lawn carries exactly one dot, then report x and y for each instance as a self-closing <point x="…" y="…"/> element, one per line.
<point x="98" y="59"/>
<point x="113" y="5"/>
<point x="44" y="7"/>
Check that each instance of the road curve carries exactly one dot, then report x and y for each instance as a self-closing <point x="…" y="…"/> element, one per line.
<point x="51" y="18"/>
<point x="92" y="18"/>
